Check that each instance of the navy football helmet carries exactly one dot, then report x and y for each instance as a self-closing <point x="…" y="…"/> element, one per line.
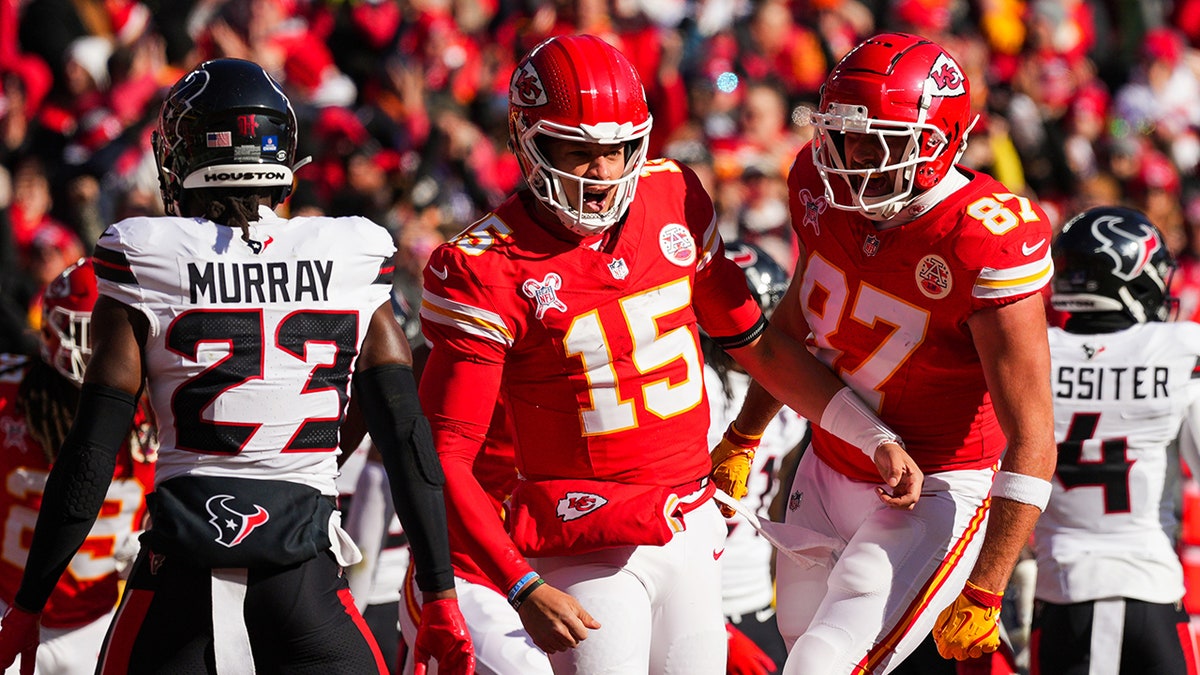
<point x="766" y="278"/>
<point x="1112" y="259"/>
<point x="225" y="124"/>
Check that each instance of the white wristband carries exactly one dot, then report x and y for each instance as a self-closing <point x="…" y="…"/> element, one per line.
<point x="1020" y="487"/>
<point x="848" y="418"/>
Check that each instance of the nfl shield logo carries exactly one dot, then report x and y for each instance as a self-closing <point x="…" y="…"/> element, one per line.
<point x="794" y="500"/>
<point x="870" y="245"/>
<point x="618" y="269"/>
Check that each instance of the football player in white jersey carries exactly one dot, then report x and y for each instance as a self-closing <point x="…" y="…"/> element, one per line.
<point x="245" y="329"/>
<point x="747" y="583"/>
<point x="1126" y="386"/>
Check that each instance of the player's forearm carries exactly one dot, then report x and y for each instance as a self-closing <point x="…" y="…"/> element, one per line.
<point x="790" y="373"/>
<point x="1010" y="523"/>
<point x="388" y="399"/>
<point x="759" y="407"/>
<point x="476" y="528"/>
<point x="1019" y="494"/>
<point x="76" y="489"/>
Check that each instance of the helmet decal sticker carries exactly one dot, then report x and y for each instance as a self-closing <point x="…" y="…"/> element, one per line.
<point x="947" y="77"/>
<point x="527" y="88"/>
<point x="1142" y="243"/>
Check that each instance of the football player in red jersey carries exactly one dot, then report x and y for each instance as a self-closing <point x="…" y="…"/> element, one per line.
<point x="920" y="283"/>
<point x="37" y="399"/>
<point x="579" y="301"/>
<point x="246" y="331"/>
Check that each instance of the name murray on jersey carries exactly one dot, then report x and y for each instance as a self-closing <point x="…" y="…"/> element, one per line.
<point x="260" y="282"/>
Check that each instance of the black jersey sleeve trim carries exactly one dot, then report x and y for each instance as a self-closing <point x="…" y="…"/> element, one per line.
<point x="112" y="266"/>
<point x="744" y="338"/>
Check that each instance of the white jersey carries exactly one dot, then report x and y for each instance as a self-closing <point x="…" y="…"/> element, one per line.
<point x="746" y="583"/>
<point x="249" y="354"/>
<point x="1120" y="400"/>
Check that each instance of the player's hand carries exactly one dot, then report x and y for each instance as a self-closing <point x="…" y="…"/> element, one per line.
<point x="555" y="620"/>
<point x="901" y="474"/>
<point x="443" y="635"/>
<point x="746" y="657"/>
<point x="969" y="627"/>
<point x="731" y="461"/>
<point x="19" y="637"/>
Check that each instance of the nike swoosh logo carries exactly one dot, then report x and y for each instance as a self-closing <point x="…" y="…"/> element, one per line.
<point x="442" y="274"/>
<point x="717" y="554"/>
<point x="1030" y="250"/>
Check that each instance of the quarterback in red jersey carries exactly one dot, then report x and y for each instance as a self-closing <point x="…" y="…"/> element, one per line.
<point x="579" y="301"/>
<point x="920" y="283"/>
<point x="37" y="400"/>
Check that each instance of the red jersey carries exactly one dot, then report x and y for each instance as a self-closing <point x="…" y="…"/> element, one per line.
<point x="888" y="311"/>
<point x="89" y="587"/>
<point x="598" y="346"/>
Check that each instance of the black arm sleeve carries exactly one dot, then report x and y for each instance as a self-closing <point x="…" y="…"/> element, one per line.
<point x="76" y="489"/>
<point x="387" y="396"/>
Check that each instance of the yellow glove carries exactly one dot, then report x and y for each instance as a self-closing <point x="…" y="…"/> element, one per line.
<point x="731" y="461"/>
<point x="969" y="628"/>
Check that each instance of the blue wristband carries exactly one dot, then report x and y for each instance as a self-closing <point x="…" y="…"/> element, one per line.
<point x="512" y="592"/>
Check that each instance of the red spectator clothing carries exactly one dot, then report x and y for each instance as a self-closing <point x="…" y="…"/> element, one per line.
<point x="89" y="587"/>
<point x="1185" y="285"/>
<point x="598" y="349"/>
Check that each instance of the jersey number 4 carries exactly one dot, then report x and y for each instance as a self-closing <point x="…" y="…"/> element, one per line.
<point x="1110" y="472"/>
<point x="243" y="331"/>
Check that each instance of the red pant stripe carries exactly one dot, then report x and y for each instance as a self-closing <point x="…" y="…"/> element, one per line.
<point x="1187" y="641"/>
<point x="920" y="603"/>
<point x="348" y="604"/>
<point x="118" y="644"/>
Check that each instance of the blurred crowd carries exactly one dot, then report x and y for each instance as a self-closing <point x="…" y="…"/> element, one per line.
<point x="403" y="107"/>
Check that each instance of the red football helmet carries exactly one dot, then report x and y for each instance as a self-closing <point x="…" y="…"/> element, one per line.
<point x="66" y="319"/>
<point x="899" y="88"/>
<point x="578" y="88"/>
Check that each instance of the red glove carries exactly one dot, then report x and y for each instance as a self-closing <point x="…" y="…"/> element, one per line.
<point x="745" y="657"/>
<point x="443" y="635"/>
<point x="19" y="636"/>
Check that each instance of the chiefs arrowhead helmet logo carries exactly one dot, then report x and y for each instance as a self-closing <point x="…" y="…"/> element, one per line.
<point x="527" y="88"/>
<point x="232" y="526"/>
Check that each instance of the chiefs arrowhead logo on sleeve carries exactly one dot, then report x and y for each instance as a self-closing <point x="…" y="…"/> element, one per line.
<point x="527" y="88"/>
<point x="947" y="79"/>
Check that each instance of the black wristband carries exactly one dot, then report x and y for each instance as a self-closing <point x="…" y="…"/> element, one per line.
<point x="526" y="592"/>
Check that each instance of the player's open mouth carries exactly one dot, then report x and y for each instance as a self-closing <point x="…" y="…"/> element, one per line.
<point x="595" y="200"/>
<point x="878" y="185"/>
